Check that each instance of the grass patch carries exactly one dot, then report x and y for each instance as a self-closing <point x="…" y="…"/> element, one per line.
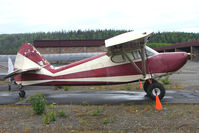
<point x="97" y="111"/>
<point x="174" y="87"/>
<point x="127" y="87"/>
<point x="52" y="111"/>
<point x="105" y="121"/>
<point x="46" y="118"/>
<point x="53" y="116"/>
<point x="66" y="88"/>
<point x="112" y="119"/>
<point x="4" y="82"/>
<point x="178" y="86"/>
<point x="61" y="113"/>
<point x="85" y="103"/>
<point x="58" y="87"/>
<point x="165" y="80"/>
<point x="156" y="45"/>
<point x="38" y="103"/>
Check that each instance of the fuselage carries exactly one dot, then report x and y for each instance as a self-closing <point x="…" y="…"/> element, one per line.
<point x="100" y="70"/>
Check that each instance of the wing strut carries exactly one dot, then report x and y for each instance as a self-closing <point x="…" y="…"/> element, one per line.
<point x="143" y="61"/>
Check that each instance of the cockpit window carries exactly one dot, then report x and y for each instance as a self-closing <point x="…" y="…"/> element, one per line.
<point x="118" y="59"/>
<point x="150" y="52"/>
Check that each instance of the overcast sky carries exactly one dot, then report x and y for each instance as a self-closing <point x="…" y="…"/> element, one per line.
<point x="22" y="16"/>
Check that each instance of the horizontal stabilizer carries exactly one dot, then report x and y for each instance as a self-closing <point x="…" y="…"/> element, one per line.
<point x="20" y="71"/>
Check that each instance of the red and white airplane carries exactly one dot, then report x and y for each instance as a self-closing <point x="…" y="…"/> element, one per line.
<point x="128" y="60"/>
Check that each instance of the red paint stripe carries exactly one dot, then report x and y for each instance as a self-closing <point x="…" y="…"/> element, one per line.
<point x="54" y="83"/>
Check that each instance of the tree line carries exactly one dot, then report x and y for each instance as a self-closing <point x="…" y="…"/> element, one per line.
<point x="10" y="43"/>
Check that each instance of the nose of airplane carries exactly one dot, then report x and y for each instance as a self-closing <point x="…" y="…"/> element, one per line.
<point x="174" y="61"/>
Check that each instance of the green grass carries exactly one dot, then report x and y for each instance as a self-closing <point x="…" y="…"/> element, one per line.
<point x="97" y="111"/>
<point x="105" y="121"/>
<point x="38" y="103"/>
<point x="85" y="103"/>
<point x="46" y="118"/>
<point x="66" y="88"/>
<point x="165" y="80"/>
<point x="156" y="45"/>
<point x="61" y="113"/>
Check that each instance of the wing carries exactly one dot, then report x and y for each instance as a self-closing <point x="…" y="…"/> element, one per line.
<point x="127" y="42"/>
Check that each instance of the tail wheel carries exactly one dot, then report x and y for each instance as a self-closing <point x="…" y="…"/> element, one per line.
<point x="155" y="89"/>
<point x="146" y="84"/>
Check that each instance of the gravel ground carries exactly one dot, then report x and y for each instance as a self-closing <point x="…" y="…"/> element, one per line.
<point x="119" y="118"/>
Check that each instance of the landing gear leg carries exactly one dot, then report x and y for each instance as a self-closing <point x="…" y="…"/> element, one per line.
<point x="9" y="87"/>
<point x="22" y="93"/>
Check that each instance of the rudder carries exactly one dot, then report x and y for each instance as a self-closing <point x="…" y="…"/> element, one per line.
<point x="28" y="56"/>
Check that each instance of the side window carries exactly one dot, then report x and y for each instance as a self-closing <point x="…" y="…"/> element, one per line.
<point x="136" y="54"/>
<point x="118" y="59"/>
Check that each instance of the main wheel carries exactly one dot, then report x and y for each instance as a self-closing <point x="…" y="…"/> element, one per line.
<point x="146" y="84"/>
<point x="155" y="89"/>
<point x="22" y="93"/>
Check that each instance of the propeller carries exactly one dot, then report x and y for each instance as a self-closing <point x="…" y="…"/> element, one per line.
<point x="190" y="56"/>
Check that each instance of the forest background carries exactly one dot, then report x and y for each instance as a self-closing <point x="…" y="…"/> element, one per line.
<point x="10" y="43"/>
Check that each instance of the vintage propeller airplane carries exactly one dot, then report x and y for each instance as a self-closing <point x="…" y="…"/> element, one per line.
<point x="128" y="60"/>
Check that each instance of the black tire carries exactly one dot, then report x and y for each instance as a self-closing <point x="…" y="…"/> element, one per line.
<point x="155" y="88"/>
<point x="146" y="84"/>
<point x="22" y="94"/>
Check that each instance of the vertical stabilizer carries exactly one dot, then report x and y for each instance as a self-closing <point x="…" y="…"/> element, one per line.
<point x="28" y="57"/>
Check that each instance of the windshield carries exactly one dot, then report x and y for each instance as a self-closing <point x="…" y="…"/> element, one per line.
<point x="150" y="51"/>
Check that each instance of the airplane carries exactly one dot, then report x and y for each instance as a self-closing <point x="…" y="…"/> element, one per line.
<point x="128" y="60"/>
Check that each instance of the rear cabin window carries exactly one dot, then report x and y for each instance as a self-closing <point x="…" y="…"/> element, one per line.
<point x="118" y="59"/>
